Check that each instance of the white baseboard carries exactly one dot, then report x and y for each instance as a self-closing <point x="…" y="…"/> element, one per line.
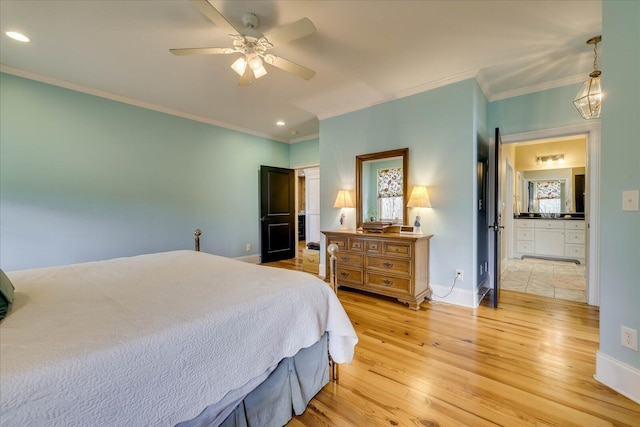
<point x="251" y="259"/>
<point x="618" y="376"/>
<point x="463" y="297"/>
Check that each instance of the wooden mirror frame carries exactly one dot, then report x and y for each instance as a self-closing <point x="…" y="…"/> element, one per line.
<point x="401" y="152"/>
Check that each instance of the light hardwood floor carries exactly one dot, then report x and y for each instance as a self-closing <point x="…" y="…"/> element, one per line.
<point x="530" y="362"/>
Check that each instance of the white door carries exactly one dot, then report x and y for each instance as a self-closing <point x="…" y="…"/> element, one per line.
<point x="312" y="204"/>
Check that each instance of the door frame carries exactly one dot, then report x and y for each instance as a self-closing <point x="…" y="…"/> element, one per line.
<point x="592" y="183"/>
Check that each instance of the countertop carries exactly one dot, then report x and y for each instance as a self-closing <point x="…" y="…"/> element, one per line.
<point x="562" y="216"/>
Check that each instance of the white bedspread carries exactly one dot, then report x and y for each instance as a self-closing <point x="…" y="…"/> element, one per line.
<point x="153" y="339"/>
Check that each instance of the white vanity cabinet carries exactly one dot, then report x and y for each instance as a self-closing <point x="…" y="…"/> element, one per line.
<point x="549" y="237"/>
<point x="554" y="238"/>
<point x="525" y="235"/>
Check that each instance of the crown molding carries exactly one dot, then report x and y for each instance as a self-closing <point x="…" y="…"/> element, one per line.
<point x="125" y="100"/>
<point x="403" y="94"/>
<point x="304" y="138"/>
<point x="536" y="88"/>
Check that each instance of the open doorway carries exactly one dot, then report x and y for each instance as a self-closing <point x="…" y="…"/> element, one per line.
<point x="308" y="214"/>
<point x="545" y="243"/>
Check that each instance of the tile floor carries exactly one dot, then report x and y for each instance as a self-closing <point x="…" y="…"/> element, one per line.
<point x="555" y="279"/>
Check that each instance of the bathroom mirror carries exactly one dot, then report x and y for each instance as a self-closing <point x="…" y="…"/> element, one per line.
<point x="381" y="186"/>
<point x="552" y="191"/>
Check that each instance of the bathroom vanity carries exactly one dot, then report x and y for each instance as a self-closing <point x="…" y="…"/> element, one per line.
<point x="558" y="238"/>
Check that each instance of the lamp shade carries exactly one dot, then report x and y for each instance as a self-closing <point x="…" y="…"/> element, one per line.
<point x="419" y="197"/>
<point x="344" y="200"/>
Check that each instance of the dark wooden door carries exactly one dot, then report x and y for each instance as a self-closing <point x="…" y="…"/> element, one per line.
<point x="496" y="225"/>
<point x="578" y="190"/>
<point x="277" y="214"/>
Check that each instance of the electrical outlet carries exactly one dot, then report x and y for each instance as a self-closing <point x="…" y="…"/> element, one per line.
<point x="248" y="247"/>
<point x="629" y="338"/>
<point x="459" y="274"/>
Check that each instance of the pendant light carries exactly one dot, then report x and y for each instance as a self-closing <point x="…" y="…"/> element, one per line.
<point x="588" y="101"/>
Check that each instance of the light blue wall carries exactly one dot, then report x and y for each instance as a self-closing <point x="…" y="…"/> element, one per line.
<point x="547" y="109"/>
<point x="438" y="128"/>
<point x="619" y="171"/>
<point x="84" y="178"/>
<point x="304" y="153"/>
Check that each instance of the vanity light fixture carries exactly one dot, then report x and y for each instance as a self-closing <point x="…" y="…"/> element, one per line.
<point x="343" y="200"/>
<point x="588" y="101"/>
<point x="559" y="158"/>
<point x="419" y="199"/>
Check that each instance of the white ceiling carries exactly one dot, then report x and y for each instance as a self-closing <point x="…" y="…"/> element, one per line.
<point x="364" y="53"/>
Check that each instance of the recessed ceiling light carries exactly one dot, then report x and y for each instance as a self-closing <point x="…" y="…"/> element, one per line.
<point x="280" y="123"/>
<point x="17" y="36"/>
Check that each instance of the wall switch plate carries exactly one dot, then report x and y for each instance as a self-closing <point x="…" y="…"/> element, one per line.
<point x="248" y="247"/>
<point x="629" y="338"/>
<point x="630" y="200"/>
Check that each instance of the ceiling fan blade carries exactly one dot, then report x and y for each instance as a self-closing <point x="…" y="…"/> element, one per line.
<point x="293" y="31"/>
<point x="214" y="16"/>
<point x="202" y="51"/>
<point x="291" y="67"/>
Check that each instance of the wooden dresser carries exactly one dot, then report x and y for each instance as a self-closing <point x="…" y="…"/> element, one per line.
<point x="391" y="264"/>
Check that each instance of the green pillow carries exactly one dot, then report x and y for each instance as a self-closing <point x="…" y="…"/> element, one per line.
<point x="6" y="294"/>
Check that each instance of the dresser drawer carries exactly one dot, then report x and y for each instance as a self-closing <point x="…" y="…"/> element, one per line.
<point x="393" y="265"/>
<point x="373" y="246"/>
<point x="574" y="251"/>
<point x="524" y="234"/>
<point x="525" y="223"/>
<point x="549" y="224"/>
<point x="574" y="225"/>
<point x="348" y="259"/>
<point x="310" y="261"/>
<point x="356" y="245"/>
<point x="574" y="237"/>
<point x="340" y="241"/>
<point x="396" y="248"/>
<point x="390" y="283"/>
<point x="346" y="276"/>
<point x="525" y="247"/>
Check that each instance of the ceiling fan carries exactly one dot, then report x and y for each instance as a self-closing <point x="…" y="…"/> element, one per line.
<point x="253" y="45"/>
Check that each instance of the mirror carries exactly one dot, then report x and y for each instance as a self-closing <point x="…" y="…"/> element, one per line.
<point x="550" y="176"/>
<point x="551" y="191"/>
<point x="387" y="203"/>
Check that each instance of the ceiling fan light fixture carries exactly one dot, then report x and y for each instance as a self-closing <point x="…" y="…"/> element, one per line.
<point x="255" y="62"/>
<point x="259" y="72"/>
<point x="239" y="66"/>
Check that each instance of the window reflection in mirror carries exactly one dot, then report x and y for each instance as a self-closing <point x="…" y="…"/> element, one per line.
<point x="381" y="186"/>
<point x="551" y="191"/>
<point x="383" y="199"/>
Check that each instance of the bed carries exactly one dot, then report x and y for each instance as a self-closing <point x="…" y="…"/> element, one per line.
<point x="176" y="338"/>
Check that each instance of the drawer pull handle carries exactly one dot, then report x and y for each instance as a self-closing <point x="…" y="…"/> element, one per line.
<point x="344" y="274"/>
<point x="387" y="264"/>
<point x="387" y="282"/>
<point x="345" y="258"/>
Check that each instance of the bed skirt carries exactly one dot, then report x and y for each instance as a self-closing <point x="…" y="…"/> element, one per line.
<point x="287" y="390"/>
